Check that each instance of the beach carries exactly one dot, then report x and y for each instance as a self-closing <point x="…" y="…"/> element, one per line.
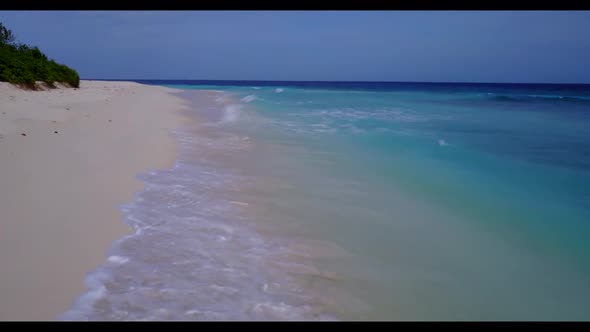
<point x="68" y="160"/>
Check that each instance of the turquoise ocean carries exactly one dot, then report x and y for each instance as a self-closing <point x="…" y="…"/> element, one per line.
<point x="360" y="201"/>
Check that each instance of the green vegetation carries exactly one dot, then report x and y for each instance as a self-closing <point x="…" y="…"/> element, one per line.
<point x="24" y="65"/>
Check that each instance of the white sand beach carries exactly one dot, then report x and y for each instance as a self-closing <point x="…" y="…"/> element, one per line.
<point x="68" y="159"/>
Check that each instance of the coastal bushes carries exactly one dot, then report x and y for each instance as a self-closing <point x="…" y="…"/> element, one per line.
<point x="25" y="65"/>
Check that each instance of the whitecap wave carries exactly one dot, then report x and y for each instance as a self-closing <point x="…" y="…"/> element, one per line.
<point x="249" y="98"/>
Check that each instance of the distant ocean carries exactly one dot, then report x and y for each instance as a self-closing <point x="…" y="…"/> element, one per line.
<point x="362" y="201"/>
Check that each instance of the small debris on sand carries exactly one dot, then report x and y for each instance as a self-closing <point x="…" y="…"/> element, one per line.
<point x="110" y="120"/>
<point x="67" y="108"/>
<point x="24" y="134"/>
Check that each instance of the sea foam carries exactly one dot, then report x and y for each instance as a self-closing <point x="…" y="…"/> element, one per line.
<point x="231" y="112"/>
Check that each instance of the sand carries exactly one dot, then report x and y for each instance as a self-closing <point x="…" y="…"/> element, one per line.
<point x="68" y="160"/>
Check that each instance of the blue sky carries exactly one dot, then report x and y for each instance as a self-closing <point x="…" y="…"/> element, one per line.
<point x="436" y="46"/>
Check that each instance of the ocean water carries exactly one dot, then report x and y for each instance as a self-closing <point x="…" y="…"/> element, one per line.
<point x="361" y="201"/>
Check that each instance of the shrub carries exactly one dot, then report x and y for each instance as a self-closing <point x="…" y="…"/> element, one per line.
<point x="23" y="64"/>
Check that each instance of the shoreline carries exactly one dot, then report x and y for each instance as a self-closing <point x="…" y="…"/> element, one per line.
<point x="199" y="252"/>
<point x="69" y="159"/>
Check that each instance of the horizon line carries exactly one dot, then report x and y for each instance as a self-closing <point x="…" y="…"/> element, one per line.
<point x="325" y="81"/>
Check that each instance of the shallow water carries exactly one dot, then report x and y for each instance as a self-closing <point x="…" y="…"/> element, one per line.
<point x="402" y="202"/>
